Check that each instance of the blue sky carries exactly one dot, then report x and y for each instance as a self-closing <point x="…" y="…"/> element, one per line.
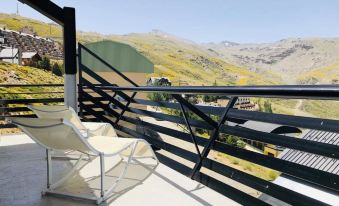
<point x="244" y="21"/>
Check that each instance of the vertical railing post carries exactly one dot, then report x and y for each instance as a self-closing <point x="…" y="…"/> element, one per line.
<point x="80" y="85"/>
<point x="190" y="129"/>
<point x="70" y="94"/>
<point x="213" y="137"/>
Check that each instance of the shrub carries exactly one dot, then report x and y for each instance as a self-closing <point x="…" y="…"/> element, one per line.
<point x="235" y="162"/>
<point x="273" y="174"/>
<point x="56" y="69"/>
<point x="248" y="167"/>
<point x="45" y="63"/>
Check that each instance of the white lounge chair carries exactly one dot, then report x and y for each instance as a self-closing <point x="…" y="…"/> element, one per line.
<point x="62" y="135"/>
<point x="64" y="112"/>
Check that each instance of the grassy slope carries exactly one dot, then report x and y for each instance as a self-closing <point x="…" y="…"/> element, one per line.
<point x="14" y="74"/>
<point x="185" y="61"/>
<point x="182" y="60"/>
<point x="15" y="22"/>
<point x="177" y="59"/>
<point x="325" y="75"/>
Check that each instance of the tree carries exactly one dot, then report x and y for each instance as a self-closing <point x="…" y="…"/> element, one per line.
<point x="232" y="140"/>
<point x="266" y="107"/>
<point x="56" y="69"/>
<point x="156" y="96"/>
<point x="45" y="63"/>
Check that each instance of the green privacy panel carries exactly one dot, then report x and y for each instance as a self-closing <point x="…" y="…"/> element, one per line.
<point x="121" y="56"/>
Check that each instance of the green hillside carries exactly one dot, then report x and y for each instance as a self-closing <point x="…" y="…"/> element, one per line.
<point x="14" y="74"/>
<point x="15" y="22"/>
<point x="183" y="60"/>
<point x="324" y="75"/>
<point x="188" y="63"/>
<point x="173" y="57"/>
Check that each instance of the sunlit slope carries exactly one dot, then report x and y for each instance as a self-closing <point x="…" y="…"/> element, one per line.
<point x="181" y="60"/>
<point x="14" y="74"/>
<point x="324" y="75"/>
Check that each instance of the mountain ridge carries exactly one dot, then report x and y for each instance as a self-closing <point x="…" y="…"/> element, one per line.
<point x="287" y="61"/>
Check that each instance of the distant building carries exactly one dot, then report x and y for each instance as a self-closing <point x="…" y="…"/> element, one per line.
<point x="269" y="149"/>
<point x="159" y="81"/>
<point x="30" y="58"/>
<point x="28" y="30"/>
<point x="122" y="57"/>
<point x="10" y="55"/>
<point x="2" y="38"/>
<point x="314" y="161"/>
<point x="244" y="103"/>
<point x="27" y="41"/>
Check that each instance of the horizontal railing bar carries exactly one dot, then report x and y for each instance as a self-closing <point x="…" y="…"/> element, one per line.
<point x="314" y="147"/>
<point x="31" y="85"/>
<point x="213" y="183"/>
<point x="312" y="175"/>
<point x="33" y="93"/>
<point x="99" y="79"/>
<point x="241" y="116"/>
<point x="168" y="131"/>
<point x="288" y="120"/>
<point x="264" y="186"/>
<point x="107" y="64"/>
<point x="3" y="117"/>
<point x="103" y="94"/>
<point x="207" y="109"/>
<point x="291" y="168"/>
<point x="23" y="101"/>
<point x="319" y="148"/>
<point x="97" y="114"/>
<point x="170" y="118"/>
<point x="7" y="126"/>
<point x="290" y="91"/>
<point x="105" y="107"/>
<point x="14" y="109"/>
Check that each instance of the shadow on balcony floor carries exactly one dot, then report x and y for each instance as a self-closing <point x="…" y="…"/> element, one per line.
<point x="23" y="176"/>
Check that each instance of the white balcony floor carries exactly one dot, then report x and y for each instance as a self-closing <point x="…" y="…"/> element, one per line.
<point x="23" y="177"/>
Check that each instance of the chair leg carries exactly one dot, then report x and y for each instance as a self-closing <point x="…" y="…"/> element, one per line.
<point x="49" y="168"/>
<point x="102" y="174"/>
<point x="66" y="176"/>
<point x="123" y="173"/>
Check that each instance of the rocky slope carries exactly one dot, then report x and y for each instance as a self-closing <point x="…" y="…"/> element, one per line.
<point x="288" y="61"/>
<point x="290" y="58"/>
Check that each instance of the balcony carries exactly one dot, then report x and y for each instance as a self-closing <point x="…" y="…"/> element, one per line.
<point x="196" y="168"/>
<point x="23" y="177"/>
<point x="193" y="170"/>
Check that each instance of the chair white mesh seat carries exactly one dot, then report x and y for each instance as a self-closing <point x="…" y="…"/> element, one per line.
<point x="64" y="112"/>
<point x="96" y="152"/>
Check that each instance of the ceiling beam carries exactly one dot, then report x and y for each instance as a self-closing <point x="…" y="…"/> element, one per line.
<point x="47" y="8"/>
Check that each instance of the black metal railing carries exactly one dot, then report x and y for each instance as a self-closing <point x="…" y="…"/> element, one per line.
<point x="98" y="102"/>
<point x="16" y="97"/>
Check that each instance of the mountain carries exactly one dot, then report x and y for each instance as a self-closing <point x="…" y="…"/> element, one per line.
<point x="291" y="58"/>
<point x="183" y="61"/>
<point x="289" y="61"/>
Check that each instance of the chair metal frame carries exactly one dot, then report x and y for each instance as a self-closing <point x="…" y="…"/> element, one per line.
<point x="104" y="194"/>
